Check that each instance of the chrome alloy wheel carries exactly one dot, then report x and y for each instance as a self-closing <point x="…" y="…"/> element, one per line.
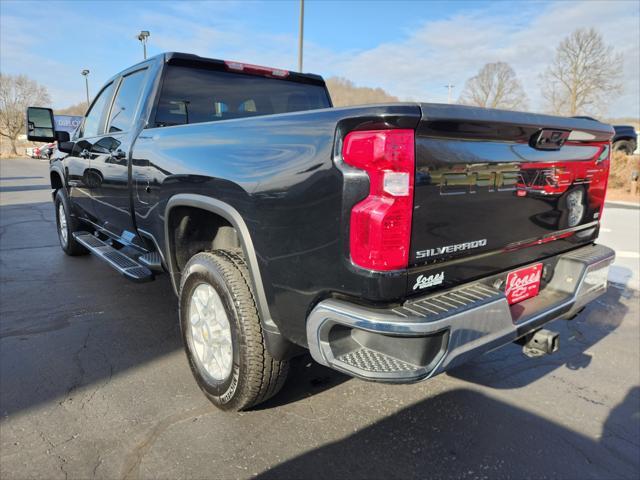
<point x="209" y="332"/>
<point x="62" y="225"/>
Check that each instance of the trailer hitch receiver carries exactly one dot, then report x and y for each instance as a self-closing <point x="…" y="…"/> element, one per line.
<point x="541" y="342"/>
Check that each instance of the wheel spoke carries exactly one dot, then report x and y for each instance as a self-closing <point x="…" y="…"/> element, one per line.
<point x="197" y="336"/>
<point x="210" y="332"/>
<point x="62" y="222"/>
<point x="194" y="315"/>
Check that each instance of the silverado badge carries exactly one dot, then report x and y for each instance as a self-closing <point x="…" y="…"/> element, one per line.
<point x="460" y="247"/>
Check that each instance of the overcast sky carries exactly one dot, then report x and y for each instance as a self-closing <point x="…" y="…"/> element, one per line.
<point x="411" y="49"/>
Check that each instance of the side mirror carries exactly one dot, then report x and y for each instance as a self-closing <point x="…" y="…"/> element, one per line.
<point x="40" y="126"/>
<point x="62" y="136"/>
<point x="66" y="147"/>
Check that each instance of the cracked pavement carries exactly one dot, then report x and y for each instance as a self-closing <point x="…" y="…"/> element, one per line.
<point x="94" y="384"/>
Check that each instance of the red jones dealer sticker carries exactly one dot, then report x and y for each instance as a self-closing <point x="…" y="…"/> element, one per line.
<point x="523" y="283"/>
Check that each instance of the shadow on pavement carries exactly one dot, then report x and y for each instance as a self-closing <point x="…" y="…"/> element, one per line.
<point x="306" y="379"/>
<point x="507" y="367"/>
<point x="465" y="434"/>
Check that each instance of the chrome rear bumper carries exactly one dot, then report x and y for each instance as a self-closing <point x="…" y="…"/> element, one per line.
<point x="429" y="335"/>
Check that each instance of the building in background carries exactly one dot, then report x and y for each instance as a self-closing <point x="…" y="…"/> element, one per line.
<point x="67" y="123"/>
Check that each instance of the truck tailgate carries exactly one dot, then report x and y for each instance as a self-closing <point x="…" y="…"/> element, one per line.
<point x="497" y="189"/>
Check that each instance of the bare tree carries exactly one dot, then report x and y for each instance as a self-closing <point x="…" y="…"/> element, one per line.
<point x="495" y="86"/>
<point x="583" y="76"/>
<point x="75" y="109"/>
<point x="17" y="92"/>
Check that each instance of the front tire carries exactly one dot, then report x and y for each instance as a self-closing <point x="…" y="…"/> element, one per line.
<point x="222" y="333"/>
<point x="66" y="225"/>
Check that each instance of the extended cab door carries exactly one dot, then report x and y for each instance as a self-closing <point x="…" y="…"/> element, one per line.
<point x="82" y="180"/>
<point x="111" y="158"/>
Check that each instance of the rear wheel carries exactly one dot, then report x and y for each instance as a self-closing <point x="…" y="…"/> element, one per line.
<point x="67" y="224"/>
<point x="222" y="333"/>
<point x="573" y="206"/>
<point x="624" y="146"/>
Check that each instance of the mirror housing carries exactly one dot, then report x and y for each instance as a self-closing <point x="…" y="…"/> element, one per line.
<point x="40" y="125"/>
<point x="62" y="136"/>
<point x="66" y="147"/>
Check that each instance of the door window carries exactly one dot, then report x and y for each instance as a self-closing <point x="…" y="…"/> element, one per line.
<point x="94" y="121"/>
<point x="124" y="108"/>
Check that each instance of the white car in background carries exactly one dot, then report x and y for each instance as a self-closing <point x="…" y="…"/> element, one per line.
<point x="45" y="151"/>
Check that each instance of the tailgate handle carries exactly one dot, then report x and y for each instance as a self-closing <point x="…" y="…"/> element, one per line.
<point x="549" y="139"/>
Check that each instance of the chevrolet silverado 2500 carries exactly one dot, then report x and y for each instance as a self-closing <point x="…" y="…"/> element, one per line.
<point x="393" y="242"/>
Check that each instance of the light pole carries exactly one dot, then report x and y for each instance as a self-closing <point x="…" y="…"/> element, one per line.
<point x="300" y="35"/>
<point x="449" y="87"/>
<point x="85" y="74"/>
<point x="142" y="36"/>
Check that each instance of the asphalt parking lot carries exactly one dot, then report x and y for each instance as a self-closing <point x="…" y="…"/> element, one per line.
<point x="94" y="384"/>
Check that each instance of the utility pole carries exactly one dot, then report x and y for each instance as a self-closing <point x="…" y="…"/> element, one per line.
<point x="143" y="36"/>
<point x="85" y="74"/>
<point x="300" y="35"/>
<point x="449" y="87"/>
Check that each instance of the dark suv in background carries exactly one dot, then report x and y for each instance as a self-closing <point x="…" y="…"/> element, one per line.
<point x="625" y="138"/>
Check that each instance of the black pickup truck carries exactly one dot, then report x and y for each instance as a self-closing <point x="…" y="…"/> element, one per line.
<point x="393" y="242"/>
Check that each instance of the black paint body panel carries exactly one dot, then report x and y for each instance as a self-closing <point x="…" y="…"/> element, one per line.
<point x="470" y="164"/>
<point x="278" y="172"/>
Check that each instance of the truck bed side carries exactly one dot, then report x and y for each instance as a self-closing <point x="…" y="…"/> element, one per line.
<point x="278" y="173"/>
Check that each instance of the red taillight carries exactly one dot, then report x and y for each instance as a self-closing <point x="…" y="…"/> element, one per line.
<point x="381" y="223"/>
<point x="256" y="69"/>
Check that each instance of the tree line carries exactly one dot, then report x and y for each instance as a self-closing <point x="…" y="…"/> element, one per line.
<point x="581" y="79"/>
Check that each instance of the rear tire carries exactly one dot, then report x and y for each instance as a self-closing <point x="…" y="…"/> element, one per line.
<point x="66" y="225"/>
<point x="217" y="305"/>
<point x="624" y="146"/>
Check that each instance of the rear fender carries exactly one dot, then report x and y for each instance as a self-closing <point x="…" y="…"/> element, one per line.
<point x="279" y="347"/>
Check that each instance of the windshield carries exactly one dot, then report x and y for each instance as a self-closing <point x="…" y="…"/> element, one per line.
<point x="193" y="95"/>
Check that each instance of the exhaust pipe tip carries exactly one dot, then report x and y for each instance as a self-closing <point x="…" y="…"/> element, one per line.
<point x="541" y="342"/>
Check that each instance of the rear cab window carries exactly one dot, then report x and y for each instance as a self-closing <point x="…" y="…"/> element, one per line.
<point x="194" y="95"/>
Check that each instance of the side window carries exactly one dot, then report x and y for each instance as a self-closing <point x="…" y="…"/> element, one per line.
<point x="94" y="119"/>
<point x="124" y="108"/>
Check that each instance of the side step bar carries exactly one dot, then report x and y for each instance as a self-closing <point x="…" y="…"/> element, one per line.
<point x="151" y="260"/>
<point x="123" y="264"/>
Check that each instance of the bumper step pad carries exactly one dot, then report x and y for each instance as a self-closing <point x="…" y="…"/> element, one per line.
<point x="375" y="362"/>
<point x="119" y="261"/>
<point x="449" y="303"/>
